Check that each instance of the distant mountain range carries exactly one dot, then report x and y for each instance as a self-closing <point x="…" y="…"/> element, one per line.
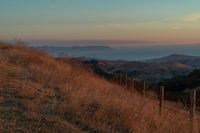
<point x="76" y="51"/>
<point x="190" y="61"/>
<point x="183" y="83"/>
<point x="75" y="48"/>
<point x="152" y="70"/>
<point x="123" y="53"/>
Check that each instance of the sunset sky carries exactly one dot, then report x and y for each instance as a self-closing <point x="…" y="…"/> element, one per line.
<point x="175" y="21"/>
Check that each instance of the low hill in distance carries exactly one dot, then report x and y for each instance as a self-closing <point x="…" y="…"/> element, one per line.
<point x="183" y="83"/>
<point x="154" y="70"/>
<point x="192" y="61"/>
<point x="74" y="50"/>
<point x="140" y="70"/>
<point x="41" y="94"/>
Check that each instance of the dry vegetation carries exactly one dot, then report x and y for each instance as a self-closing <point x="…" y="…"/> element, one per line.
<point x="41" y="94"/>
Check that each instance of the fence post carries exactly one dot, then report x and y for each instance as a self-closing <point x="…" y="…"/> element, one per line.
<point x="126" y="82"/>
<point x="144" y="89"/>
<point x="120" y="79"/>
<point x="193" y="104"/>
<point x="113" y="79"/>
<point x="192" y="109"/>
<point x="162" y="93"/>
<point x="133" y="83"/>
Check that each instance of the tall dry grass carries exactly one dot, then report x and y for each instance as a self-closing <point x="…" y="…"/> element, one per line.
<point x="41" y="94"/>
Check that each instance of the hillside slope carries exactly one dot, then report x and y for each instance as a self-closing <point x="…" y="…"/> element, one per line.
<point x="140" y="70"/>
<point x="183" y="83"/>
<point x="41" y="94"/>
<point x="192" y="61"/>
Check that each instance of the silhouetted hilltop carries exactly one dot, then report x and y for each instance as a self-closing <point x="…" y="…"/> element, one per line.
<point x="184" y="83"/>
<point x="192" y="61"/>
<point x="140" y="70"/>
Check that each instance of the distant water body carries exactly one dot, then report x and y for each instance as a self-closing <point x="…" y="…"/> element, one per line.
<point x="125" y="53"/>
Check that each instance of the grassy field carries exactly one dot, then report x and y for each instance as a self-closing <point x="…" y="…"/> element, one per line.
<point x="41" y="94"/>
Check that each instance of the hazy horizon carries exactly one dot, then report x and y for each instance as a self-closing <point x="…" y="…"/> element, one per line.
<point x="143" y="29"/>
<point x="128" y="52"/>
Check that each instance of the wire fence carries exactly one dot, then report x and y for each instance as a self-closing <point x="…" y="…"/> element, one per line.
<point x="186" y="100"/>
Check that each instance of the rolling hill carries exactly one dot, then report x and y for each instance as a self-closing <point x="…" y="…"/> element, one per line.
<point x="154" y="70"/>
<point x="183" y="83"/>
<point x="192" y="61"/>
<point x="140" y="70"/>
<point x="41" y="94"/>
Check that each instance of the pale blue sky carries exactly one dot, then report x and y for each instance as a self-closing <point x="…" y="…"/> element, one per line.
<point x="146" y="20"/>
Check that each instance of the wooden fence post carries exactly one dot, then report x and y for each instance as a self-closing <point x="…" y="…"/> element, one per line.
<point x="193" y="104"/>
<point x="112" y="79"/>
<point x="126" y="82"/>
<point x="144" y="89"/>
<point x="193" y="109"/>
<point x="162" y="93"/>
<point x="133" y="83"/>
<point x="120" y="79"/>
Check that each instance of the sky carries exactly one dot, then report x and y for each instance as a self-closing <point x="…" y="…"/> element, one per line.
<point x="175" y="21"/>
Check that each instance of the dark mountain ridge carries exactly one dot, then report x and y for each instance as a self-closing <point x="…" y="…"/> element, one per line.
<point x="191" y="61"/>
<point x="153" y="70"/>
<point x="183" y="83"/>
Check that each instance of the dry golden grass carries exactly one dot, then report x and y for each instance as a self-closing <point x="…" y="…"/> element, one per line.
<point x="41" y="94"/>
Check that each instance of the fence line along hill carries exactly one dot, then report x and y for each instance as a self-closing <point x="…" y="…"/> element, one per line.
<point x="41" y="94"/>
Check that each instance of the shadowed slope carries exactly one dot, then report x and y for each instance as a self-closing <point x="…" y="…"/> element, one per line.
<point x="40" y="94"/>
